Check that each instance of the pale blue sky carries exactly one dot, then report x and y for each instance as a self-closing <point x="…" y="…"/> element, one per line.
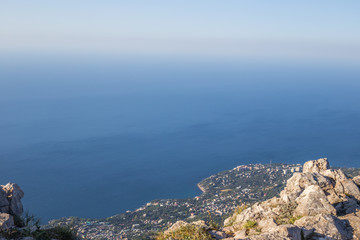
<point x="254" y="28"/>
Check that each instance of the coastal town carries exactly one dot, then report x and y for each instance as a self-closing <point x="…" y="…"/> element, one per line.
<point x="222" y="192"/>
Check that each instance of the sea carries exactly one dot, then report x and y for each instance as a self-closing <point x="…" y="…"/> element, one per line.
<point x="96" y="136"/>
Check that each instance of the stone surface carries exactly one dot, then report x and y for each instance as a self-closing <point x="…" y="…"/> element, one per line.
<point x="326" y="225"/>
<point x="319" y="203"/>
<point x="3" y="198"/>
<point x="176" y="226"/>
<point x="299" y="181"/>
<point x="313" y="201"/>
<point x="313" y="193"/>
<point x="10" y="204"/>
<point x="218" y="234"/>
<point x="14" y="195"/>
<point x="317" y="166"/>
<point x="200" y="223"/>
<point x="357" y="180"/>
<point x="240" y="234"/>
<point x="354" y="221"/>
<point x="6" y="221"/>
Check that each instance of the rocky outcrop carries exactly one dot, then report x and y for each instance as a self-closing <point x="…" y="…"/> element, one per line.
<point x="318" y="203"/>
<point x="357" y="180"/>
<point x="6" y="221"/>
<point x="317" y="166"/>
<point x="312" y="202"/>
<point x="10" y="204"/>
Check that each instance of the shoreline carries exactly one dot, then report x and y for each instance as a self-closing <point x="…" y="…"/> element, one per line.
<point x="201" y="188"/>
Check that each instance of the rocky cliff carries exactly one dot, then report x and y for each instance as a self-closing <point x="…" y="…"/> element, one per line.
<point x="318" y="203"/>
<point x="16" y="226"/>
<point x="10" y="204"/>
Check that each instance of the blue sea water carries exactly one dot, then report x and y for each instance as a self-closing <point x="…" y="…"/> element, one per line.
<point x="96" y="137"/>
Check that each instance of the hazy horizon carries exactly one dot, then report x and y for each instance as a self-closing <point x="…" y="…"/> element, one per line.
<point x="323" y="30"/>
<point x="140" y="100"/>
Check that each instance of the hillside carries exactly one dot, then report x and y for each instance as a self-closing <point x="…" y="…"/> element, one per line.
<point x="222" y="193"/>
<point x="318" y="203"/>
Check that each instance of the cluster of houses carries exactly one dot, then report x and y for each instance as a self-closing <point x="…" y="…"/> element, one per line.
<point x="223" y="199"/>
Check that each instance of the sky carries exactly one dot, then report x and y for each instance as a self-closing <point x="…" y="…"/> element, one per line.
<point x="322" y="29"/>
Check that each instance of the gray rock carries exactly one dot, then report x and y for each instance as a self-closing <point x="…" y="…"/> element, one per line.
<point x="357" y="180"/>
<point x="289" y="231"/>
<point x="326" y="225"/>
<point x="299" y="181"/>
<point x="176" y="226"/>
<point x="312" y="195"/>
<point x="317" y="166"/>
<point x="354" y="221"/>
<point x="313" y="201"/>
<point x="14" y="195"/>
<point x="200" y="223"/>
<point x="3" y="199"/>
<point x="218" y="234"/>
<point x="6" y="221"/>
<point x="240" y="234"/>
<point x="347" y="207"/>
<point x="267" y="224"/>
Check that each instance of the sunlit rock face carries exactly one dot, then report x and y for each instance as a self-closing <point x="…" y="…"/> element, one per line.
<point x="318" y="203"/>
<point x="10" y="204"/>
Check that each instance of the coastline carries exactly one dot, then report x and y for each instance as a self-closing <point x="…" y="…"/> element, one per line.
<point x="201" y="188"/>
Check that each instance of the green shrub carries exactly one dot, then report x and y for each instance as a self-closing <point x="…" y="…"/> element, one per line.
<point x="286" y="215"/>
<point x="59" y="233"/>
<point x="238" y="210"/>
<point x="188" y="232"/>
<point x="29" y="226"/>
<point x="293" y="219"/>
<point x="249" y="224"/>
<point x="213" y="224"/>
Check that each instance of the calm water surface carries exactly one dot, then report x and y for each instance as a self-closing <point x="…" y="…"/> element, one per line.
<point x="94" y="138"/>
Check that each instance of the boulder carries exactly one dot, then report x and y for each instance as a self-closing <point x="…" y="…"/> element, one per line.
<point x="241" y="234"/>
<point x="325" y="225"/>
<point x="289" y="231"/>
<point x="346" y="207"/>
<point x="313" y="201"/>
<point x="317" y="166"/>
<point x="14" y="195"/>
<point x="4" y="202"/>
<point x="200" y="223"/>
<point x="283" y="232"/>
<point x="299" y="181"/>
<point x="267" y="224"/>
<point x="357" y="180"/>
<point x="344" y="185"/>
<point x="218" y="234"/>
<point x="6" y="221"/>
<point x="354" y="221"/>
<point x="176" y="226"/>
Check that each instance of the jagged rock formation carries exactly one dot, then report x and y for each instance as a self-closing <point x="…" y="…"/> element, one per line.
<point x="318" y="203"/>
<point x="10" y="204"/>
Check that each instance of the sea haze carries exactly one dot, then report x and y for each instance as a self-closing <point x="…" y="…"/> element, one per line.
<point x="93" y="138"/>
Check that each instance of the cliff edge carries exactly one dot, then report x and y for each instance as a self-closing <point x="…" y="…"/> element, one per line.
<point x="317" y="203"/>
<point x="10" y="204"/>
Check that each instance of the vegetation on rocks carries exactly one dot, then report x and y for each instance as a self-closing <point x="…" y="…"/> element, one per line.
<point x="237" y="211"/>
<point x="16" y="225"/>
<point x="187" y="232"/>
<point x="58" y="233"/>
<point x="286" y="215"/>
<point x="317" y="203"/>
